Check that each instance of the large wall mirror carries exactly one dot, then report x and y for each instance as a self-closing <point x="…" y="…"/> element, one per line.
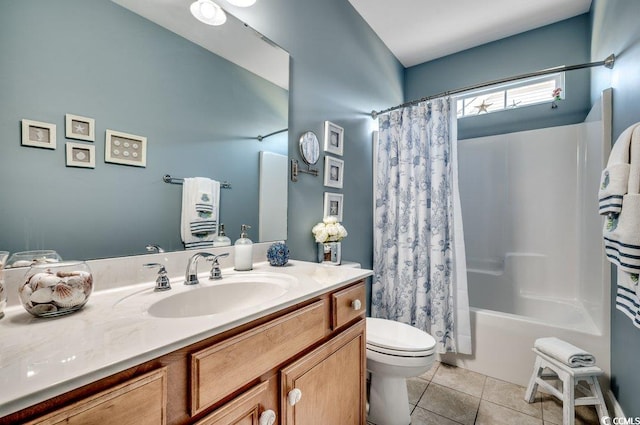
<point x="200" y="111"/>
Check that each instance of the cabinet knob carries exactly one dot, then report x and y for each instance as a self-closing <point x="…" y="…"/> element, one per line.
<point x="356" y="304"/>
<point x="268" y="417"/>
<point x="294" y="396"/>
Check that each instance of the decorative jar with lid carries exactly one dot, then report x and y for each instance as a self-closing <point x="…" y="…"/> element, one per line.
<point x="28" y="258"/>
<point x="56" y="289"/>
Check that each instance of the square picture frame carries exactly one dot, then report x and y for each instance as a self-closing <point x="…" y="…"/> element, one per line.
<point x="80" y="128"/>
<point x="333" y="172"/>
<point x="333" y="138"/>
<point x="81" y="155"/>
<point x="333" y="205"/>
<point x="38" y="134"/>
<point x="126" y="149"/>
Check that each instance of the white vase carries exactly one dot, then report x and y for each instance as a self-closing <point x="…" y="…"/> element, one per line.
<point x="330" y="253"/>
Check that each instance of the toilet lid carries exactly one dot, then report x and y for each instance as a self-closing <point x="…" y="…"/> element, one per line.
<point x="390" y="336"/>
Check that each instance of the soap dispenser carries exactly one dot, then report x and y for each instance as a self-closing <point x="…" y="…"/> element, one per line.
<point x="221" y="239"/>
<point x="243" y="251"/>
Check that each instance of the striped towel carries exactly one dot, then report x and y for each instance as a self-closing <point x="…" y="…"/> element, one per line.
<point x="200" y="208"/>
<point x="615" y="178"/>
<point x="622" y="230"/>
<point x="619" y="197"/>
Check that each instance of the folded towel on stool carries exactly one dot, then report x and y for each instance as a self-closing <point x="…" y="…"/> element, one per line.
<point x="565" y="352"/>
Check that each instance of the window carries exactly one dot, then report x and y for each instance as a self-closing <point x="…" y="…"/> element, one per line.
<point x="509" y="95"/>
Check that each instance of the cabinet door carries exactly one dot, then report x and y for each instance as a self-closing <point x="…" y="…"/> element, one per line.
<point x="246" y="409"/>
<point x="139" y="401"/>
<point x="331" y="382"/>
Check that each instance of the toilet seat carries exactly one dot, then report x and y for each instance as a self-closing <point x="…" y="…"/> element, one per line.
<point x="400" y="353"/>
<point x="398" y="339"/>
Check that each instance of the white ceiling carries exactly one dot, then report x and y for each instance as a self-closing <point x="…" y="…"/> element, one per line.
<point x="418" y="31"/>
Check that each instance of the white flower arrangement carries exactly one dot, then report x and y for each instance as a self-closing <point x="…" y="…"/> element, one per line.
<point x="329" y="230"/>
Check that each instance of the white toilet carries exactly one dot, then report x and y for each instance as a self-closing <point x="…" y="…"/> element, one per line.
<point x="395" y="352"/>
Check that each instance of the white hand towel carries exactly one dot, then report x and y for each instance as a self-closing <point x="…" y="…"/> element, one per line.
<point x="613" y="186"/>
<point x="206" y="220"/>
<point x="622" y="231"/>
<point x="622" y="235"/>
<point x="564" y="352"/>
<point x="204" y="203"/>
<point x="615" y="178"/>
<point x="622" y="226"/>
<point x="199" y="228"/>
<point x="628" y="296"/>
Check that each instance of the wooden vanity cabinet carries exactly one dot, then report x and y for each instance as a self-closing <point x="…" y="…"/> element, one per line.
<point x="225" y="367"/>
<point x="316" y="347"/>
<point x="139" y="401"/>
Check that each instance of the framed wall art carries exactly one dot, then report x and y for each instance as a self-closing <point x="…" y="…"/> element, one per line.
<point x="333" y="205"/>
<point x="333" y="138"/>
<point x="126" y="149"/>
<point x="80" y="128"/>
<point x="333" y="172"/>
<point x="81" y="155"/>
<point x="38" y="134"/>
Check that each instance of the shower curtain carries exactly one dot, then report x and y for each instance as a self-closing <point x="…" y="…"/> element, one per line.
<point x="419" y="262"/>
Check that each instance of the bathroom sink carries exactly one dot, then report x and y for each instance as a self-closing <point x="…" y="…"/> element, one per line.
<point x="229" y="294"/>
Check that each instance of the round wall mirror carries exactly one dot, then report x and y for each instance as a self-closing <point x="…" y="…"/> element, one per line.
<point x="309" y="147"/>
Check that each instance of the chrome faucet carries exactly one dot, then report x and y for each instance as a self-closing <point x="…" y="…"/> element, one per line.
<point x="151" y="248"/>
<point x="191" y="276"/>
<point x="162" y="281"/>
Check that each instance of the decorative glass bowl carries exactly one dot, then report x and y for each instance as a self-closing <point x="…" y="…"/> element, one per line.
<point x="3" y="292"/>
<point x="278" y="254"/>
<point x="28" y="258"/>
<point x="56" y="289"/>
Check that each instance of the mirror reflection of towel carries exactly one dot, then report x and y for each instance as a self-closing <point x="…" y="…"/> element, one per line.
<point x="200" y="209"/>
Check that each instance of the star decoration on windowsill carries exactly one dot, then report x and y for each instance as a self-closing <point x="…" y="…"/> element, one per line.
<point x="483" y="107"/>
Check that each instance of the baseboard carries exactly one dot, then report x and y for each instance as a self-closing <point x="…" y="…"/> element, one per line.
<point x="613" y="402"/>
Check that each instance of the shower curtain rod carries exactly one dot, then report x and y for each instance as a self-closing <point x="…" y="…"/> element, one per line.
<point x="608" y="63"/>
<point x="261" y="138"/>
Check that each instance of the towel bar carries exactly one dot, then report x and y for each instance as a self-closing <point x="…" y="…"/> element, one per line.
<point x="174" y="180"/>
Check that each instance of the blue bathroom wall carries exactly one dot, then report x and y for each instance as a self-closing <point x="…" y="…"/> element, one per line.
<point x="340" y="71"/>
<point x="615" y="29"/>
<point x="562" y="43"/>
<point x="94" y="58"/>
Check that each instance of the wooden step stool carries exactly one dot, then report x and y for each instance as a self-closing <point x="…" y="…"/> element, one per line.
<point x="570" y="376"/>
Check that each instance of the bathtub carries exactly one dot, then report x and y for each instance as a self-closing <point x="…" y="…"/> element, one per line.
<point x="535" y="263"/>
<point x="506" y="322"/>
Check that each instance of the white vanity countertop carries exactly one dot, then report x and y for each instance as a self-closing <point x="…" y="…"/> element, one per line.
<point x="41" y="358"/>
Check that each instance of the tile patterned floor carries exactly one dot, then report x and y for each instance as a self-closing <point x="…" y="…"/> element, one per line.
<point x="448" y="395"/>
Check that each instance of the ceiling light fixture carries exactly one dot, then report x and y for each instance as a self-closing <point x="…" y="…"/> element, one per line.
<point x="242" y="3"/>
<point x="208" y="12"/>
